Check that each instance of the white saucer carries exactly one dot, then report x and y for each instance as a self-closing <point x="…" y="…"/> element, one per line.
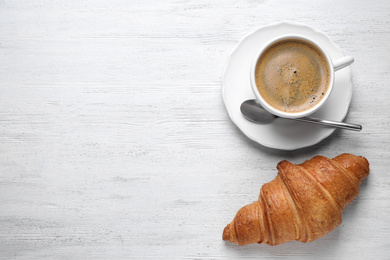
<point x="282" y="133"/>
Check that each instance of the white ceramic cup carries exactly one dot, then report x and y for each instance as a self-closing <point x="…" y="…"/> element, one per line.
<point x="333" y="66"/>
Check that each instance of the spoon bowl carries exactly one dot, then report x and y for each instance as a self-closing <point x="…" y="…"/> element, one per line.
<point x="255" y="113"/>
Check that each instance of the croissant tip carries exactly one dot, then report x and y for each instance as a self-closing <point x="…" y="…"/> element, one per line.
<point x="226" y="233"/>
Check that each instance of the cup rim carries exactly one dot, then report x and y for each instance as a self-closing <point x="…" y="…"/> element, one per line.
<point x="270" y="108"/>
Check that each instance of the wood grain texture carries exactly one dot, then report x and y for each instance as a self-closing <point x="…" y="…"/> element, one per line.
<point x="115" y="142"/>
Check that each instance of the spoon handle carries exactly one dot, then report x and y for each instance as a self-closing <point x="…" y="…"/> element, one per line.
<point x="330" y="123"/>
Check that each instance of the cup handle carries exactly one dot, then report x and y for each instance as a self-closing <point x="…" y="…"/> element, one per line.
<point x="343" y="62"/>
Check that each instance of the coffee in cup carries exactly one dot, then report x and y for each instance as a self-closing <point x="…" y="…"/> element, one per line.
<point x="292" y="76"/>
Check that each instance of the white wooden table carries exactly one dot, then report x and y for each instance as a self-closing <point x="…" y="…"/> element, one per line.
<point x="115" y="142"/>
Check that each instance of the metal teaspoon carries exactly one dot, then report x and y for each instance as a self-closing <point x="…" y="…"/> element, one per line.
<point x="254" y="112"/>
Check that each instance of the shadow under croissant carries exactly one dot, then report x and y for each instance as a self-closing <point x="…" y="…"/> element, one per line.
<point x="324" y="246"/>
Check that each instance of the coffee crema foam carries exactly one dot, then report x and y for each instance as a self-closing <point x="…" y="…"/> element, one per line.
<point x="292" y="75"/>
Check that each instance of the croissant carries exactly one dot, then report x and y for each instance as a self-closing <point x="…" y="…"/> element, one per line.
<point x="304" y="202"/>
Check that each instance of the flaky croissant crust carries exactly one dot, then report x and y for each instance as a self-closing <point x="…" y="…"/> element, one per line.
<point x="304" y="202"/>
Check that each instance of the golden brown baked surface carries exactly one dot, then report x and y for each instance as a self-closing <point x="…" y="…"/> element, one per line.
<point x="304" y="202"/>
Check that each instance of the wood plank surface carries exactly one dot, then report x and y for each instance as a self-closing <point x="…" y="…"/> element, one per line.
<point x="115" y="142"/>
